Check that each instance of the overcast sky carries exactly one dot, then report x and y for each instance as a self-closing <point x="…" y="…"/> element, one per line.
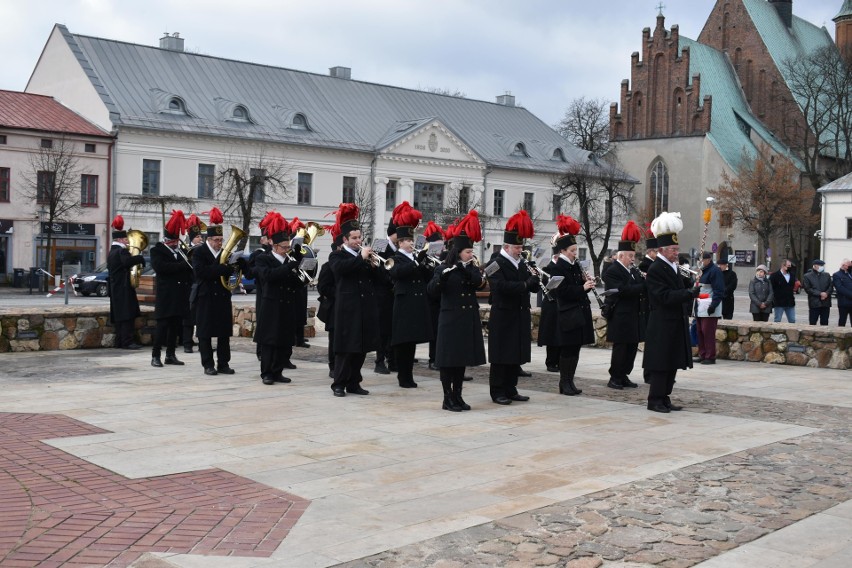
<point x="545" y="52"/>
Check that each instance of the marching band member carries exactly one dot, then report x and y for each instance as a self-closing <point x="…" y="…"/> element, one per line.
<point x="251" y="269"/>
<point x="411" y="320"/>
<point x="174" y="279"/>
<point x="214" y="315"/>
<point x="302" y="308"/>
<point x="123" y="304"/>
<point x="194" y="238"/>
<point x="459" y="328"/>
<point x="276" y="320"/>
<point x="574" y="319"/>
<point x="667" y="344"/>
<point x="355" y="313"/>
<point x="625" y="328"/>
<point x="383" y="286"/>
<point x="644" y="265"/>
<point x="547" y="324"/>
<point x="509" y="338"/>
<point x="433" y="234"/>
<point x="326" y="288"/>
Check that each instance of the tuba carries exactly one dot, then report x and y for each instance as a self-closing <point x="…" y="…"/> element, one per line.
<point x="138" y="240"/>
<point x="306" y="235"/>
<point x="237" y="235"/>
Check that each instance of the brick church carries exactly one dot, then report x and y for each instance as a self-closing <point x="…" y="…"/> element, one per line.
<point x="693" y="107"/>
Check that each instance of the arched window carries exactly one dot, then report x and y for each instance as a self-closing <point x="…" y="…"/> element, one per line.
<point x="176" y="106"/>
<point x="240" y="114"/>
<point x="300" y="122"/>
<point x="520" y="150"/>
<point x="558" y="155"/>
<point x="658" y="185"/>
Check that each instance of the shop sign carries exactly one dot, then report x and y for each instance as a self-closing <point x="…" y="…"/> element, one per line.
<point x="77" y="229"/>
<point x="745" y="257"/>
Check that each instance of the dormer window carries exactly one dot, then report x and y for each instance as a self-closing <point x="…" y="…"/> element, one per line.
<point x="176" y="106"/>
<point x="240" y="114"/>
<point x="558" y="155"/>
<point x="520" y="150"/>
<point x="300" y="122"/>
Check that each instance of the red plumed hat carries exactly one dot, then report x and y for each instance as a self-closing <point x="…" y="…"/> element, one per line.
<point x="468" y="228"/>
<point x="650" y="238"/>
<point x="433" y="232"/>
<point x="264" y="223"/>
<point x="406" y="218"/>
<point x="118" y="226"/>
<point x="567" y="230"/>
<point x="347" y="218"/>
<point x="277" y="227"/>
<point x="629" y="237"/>
<point x="295" y="225"/>
<point x="214" y="229"/>
<point x="518" y="227"/>
<point x="175" y="225"/>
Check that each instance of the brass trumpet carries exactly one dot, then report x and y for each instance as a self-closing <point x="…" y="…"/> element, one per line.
<point x="138" y="240"/>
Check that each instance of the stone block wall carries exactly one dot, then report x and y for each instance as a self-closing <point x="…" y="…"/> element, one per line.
<point x="245" y="320"/>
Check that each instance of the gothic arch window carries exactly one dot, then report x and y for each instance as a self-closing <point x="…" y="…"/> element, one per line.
<point x="658" y="186"/>
<point x="738" y="53"/>
<point x="725" y="20"/>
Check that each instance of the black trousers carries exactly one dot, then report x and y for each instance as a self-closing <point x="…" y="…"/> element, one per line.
<point x="503" y="380"/>
<point x="820" y="314"/>
<point x="404" y="354"/>
<point x="330" y="349"/>
<point x="188" y="327"/>
<point x="727" y="308"/>
<point x="662" y="383"/>
<point x="272" y="359"/>
<point x="223" y="351"/>
<point x="622" y="359"/>
<point x="166" y="335"/>
<point x="124" y="332"/>
<point x="347" y="370"/>
<point x="432" y="346"/>
<point x="760" y="317"/>
<point x="551" y="358"/>
<point x="844" y="313"/>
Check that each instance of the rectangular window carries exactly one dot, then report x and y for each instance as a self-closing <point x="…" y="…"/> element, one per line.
<point x="557" y="206"/>
<point x="529" y="202"/>
<point x="46" y="143"/>
<point x="428" y="198"/>
<point x="150" y="177"/>
<point x="725" y="219"/>
<point x="206" y="180"/>
<point x="2" y="138"/>
<point x="464" y="199"/>
<point x="90" y="148"/>
<point x="5" y="183"/>
<point x="258" y="184"/>
<point x="349" y="184"/>
<point x="89" y="190"/>
<point x="390" y="195"/>
<point x="499" y="196"/>
<point x="306" y="182"/>
<point x="45" y="184"/>
<point x="849" y="228"/>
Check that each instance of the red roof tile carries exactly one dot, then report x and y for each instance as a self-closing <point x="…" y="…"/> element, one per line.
<point x="37" y="112"/>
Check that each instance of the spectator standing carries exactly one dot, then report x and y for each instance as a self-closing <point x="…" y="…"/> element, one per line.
<point x="708" y="309"/>
<point x="782" y="283"/>
<point x="818" y="286"/>
<point x="842" y="280"/>
<point x="760" y="294"/>
<point x="730" y="279"/>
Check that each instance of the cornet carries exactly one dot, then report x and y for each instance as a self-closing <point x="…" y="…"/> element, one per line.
<point x="376" y="260"/>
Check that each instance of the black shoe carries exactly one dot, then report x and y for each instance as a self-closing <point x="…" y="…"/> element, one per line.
<point x="551" y="369"/>
<point x="210" y="371"/>
<point x="467" y="378"/>
<point x="659" y="407"/>
<point x="502" y="400"/>
<point x="408" y="384"/>
<point x="172" y="360"/>
<point x="133" y="346"/>
<point x="357" y="390"/>
<point x="304" y="344"/>
<point x="187" y="349"/>
<point x="614" y="384"/>
<point x="519" y="397"/>
<point x="155" y="362"/>
<point x="451" y="404"/>
<point x="267" y="380"/>
<point x="289" y="365"/>
<point x="338" y="392"/>
<point x="627" y="383"/>
<point x="380" y="369"/>
<point x="281" y="379"/>
<point x="522" y="373"/>
<point x="708" y="362"/>
<point x="433" y="366"/>
<point x="673" y="407"/>
<point x="225" y="370"/>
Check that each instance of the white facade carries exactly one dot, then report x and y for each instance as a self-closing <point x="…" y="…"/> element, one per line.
<point x="836" y="237"/>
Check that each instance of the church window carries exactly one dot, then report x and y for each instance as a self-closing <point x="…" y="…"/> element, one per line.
<point x="659" y="187"/>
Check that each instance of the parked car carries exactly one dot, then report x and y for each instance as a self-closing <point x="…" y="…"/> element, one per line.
<point x="97" y="281"/>
<point x="246" y="285"/>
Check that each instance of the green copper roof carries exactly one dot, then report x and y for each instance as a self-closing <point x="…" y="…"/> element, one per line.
<point x="845" y="11"/>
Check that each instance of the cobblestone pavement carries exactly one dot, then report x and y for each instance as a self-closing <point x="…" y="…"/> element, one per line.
<point x="672" y="520"/>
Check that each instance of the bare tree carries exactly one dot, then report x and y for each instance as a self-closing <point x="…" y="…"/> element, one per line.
<point x="586" y="125"/>
<point x="365" y="199"/>
<point x="53" y="182"/>
<point x="764" y="197"/>
<point x="246" y="184"/>
<point x="160" y="203"/>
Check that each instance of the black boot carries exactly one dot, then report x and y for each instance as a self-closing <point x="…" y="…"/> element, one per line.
<point x="171" y="359"/>
<point x="457" y="394"/>
<point x="155" y="358"/>
<point x="449" y="400"/>
<point x="567" y="368"/>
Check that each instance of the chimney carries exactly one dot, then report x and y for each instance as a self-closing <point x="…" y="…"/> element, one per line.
<point x="506" y="100"/>
<point x="340" y="72"/>
<point x="785" y="11"/>
<point x="172" y="42"/>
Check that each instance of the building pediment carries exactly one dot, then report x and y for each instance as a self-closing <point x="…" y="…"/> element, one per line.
<point x="430" y="140"/>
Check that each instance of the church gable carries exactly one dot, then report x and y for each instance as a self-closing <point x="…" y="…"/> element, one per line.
<point x="433" y="141"/>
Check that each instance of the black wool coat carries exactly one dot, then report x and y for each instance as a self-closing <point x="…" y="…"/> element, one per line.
<point x="783" y="290"/>
<point x="626" y="324"/>
<point x="214" y="317"/>
<point x="510" y="324"/>
<point x="459" y="327"/>
<point x="279" y="302"/>
<point x="356" y="319"/>
<point x="412" y="318"/>
<point x="251" y="272"/>
<point x="574" y="312"/>
<point x="548" y="329"/>
<point x="123" y="304"/>
<point x="383" y="290"/>
<point x="667" y="343"/>
<point x="174" y="281"/>
<point x="326" y="289"/>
